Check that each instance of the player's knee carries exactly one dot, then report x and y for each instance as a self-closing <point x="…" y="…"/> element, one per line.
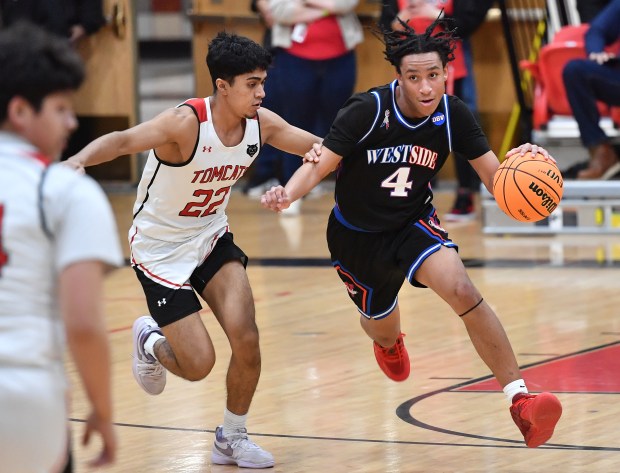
<point x="464" y="292"/>
<point x="198" y="368"/>
<point x="572" y="70"/>
<point x="244" y="335"/>
<point x="245" y="347"/>
<point x="197" y="373"/>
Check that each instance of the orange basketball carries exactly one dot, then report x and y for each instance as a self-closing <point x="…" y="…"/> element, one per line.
<point x="528" y="188"/>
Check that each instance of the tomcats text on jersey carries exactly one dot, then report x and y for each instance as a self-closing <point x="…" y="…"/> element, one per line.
<point x="176" y="202"/>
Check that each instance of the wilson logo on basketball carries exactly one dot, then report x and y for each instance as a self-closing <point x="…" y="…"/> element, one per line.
<point x="528" y="188"/>
<point x="547" y="201"/>
<point x="556" y="177"/>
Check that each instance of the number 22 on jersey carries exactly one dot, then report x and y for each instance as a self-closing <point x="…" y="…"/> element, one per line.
<point x="195" y="209"/>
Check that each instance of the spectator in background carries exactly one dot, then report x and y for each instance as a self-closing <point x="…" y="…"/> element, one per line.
<point x="266" y="168"/>
<point x="596" y="78"/>
<point x="57" y="239"/>
<point x="72" y="19"/>
<point x="466" y="16"/>
<point x="313" y="73"/>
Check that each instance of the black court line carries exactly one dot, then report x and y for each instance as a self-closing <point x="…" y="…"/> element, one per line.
<point x="468" y="262"/>
<point x="403" y="411"/>
<point x="500" y="263"/>
<point x="343" y="439"/>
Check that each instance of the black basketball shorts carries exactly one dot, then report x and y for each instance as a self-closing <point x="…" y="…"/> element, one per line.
<point x="167" y="305"/>
<point x="374" y="265"/>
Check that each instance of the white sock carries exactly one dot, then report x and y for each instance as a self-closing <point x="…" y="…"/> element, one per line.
<point x="149" y="345"/>
<point x="233" y="422"/>
<point x="513" y="388"/>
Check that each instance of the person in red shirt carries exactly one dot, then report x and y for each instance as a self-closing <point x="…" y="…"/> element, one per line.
<point x="313" y="72"/>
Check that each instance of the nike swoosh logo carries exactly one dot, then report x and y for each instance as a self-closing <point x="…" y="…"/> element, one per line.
<point x="228" y="451"/>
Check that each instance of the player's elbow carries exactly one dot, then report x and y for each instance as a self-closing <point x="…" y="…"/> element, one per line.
<point x="120" y="142"/>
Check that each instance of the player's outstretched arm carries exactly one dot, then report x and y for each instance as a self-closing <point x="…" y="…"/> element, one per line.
<point x="303" y="181"/>
<point x="167" y="127"/>
<point x="280" y="134"/>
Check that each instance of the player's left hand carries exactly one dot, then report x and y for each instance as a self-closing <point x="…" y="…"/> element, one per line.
<point x="532" y="148"/>
<point x="94" y="424"/>
<point x="313" y="156"/>
<point x="76" y="166"/>
<point x="275" y="199"/>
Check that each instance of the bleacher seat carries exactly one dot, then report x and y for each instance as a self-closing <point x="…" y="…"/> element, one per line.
<point x="549" y="93"/>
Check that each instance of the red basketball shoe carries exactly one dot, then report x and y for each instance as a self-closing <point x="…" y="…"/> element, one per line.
<point x="393" y="361"/>
<point x="536" y="416"/>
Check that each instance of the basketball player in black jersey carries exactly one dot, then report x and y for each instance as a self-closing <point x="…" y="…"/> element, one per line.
<point x="386" y="145"/>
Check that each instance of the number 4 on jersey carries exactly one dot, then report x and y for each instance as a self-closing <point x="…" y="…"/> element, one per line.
<point x="4" y="257"/>
<point x="398" y="182"/>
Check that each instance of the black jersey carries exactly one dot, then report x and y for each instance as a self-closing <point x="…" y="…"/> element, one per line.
<point x="383" y="180"/>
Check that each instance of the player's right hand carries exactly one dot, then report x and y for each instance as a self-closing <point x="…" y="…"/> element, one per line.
<point x="275" y="199"/>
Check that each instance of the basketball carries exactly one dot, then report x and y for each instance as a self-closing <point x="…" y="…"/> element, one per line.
<point x="528" y="188"/>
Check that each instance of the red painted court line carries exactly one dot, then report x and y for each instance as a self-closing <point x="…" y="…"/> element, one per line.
<point x="119" y="329"/>
<point x="591" y="372"/>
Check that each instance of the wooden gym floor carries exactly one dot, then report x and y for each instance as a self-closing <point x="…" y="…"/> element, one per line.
<point x="322" y="403"/>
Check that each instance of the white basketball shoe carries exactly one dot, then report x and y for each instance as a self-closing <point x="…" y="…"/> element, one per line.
<point x="149" y="373"/>
<point x="238" y="449"/>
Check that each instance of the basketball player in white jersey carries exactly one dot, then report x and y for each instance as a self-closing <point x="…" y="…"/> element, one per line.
<point x="180" y="241"/>
<point x="57" y="239"/>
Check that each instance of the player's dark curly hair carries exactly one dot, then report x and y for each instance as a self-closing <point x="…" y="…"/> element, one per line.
<point x="230" y="55"/>
<point x="439" y="37"/>
<point x="35" y="64"/>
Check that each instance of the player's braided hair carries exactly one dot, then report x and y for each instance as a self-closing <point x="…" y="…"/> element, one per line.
<point x="439" y="37"/>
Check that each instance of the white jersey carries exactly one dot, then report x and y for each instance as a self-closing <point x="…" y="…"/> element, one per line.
<point x="77" y="217"/>
<point x="50" y="218"/>
<point x="180" y="210"/>
<point x="177" y="202"/>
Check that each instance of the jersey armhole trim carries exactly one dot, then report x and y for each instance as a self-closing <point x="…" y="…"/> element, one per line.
<point x="448" y="127"/>
<point x="260" y="132"/>
<point x="200" y="108"/>
<point x="378" y="99"/>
